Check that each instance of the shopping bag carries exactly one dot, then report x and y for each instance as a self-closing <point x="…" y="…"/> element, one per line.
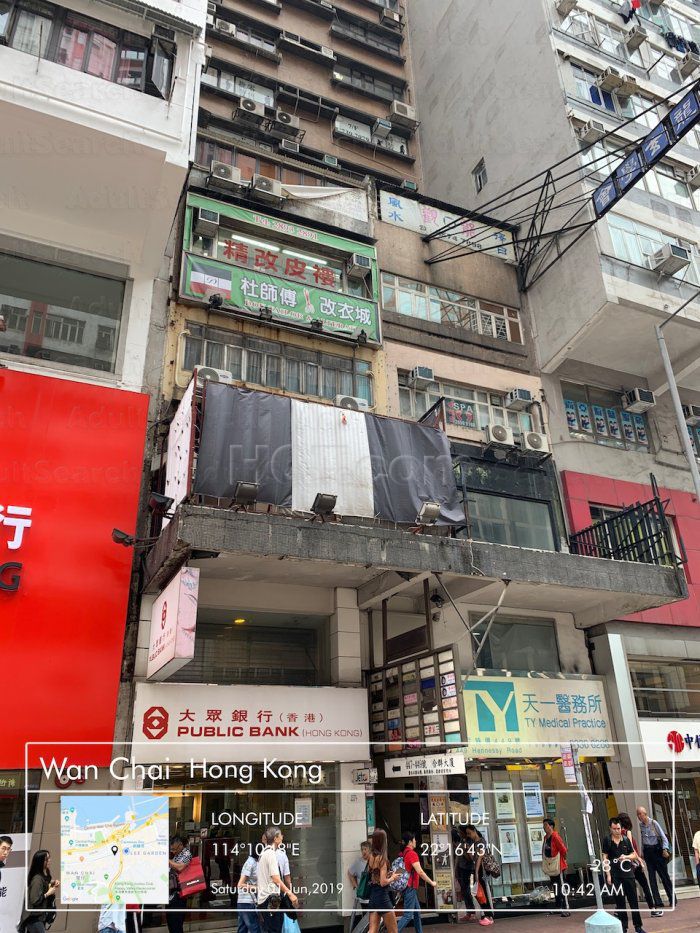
<point x="289" y="925"/>
<point x="191" y="880"/>
<point x="480" y="893"/>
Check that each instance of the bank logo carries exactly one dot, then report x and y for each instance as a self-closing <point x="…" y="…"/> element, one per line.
<point x="155" y="722"/>
<point x="675" y="741"/>
<point x="495" y="706"/>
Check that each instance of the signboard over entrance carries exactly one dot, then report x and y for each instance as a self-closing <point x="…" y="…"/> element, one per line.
<point x="425" y="766"/>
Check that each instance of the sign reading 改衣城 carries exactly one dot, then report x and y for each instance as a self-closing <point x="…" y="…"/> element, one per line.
<point x="523" y="717"/>
<point x="290" y="301"/>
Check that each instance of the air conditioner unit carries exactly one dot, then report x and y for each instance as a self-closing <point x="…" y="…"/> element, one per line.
<point x="223" y="25"/>
<point x="249" y="110"/>
<point x="224" y="176"/>
<point x="635" y="37"/>
<point x="266" y="189"/>
<point x="382" y="128"/>
<point x="206" y="223"/>
<point x="420" y="377"/>
<point x="564" y="7"/>
<point x="669" y="259"/>
<point x="691" y="413"/>
<point x="693" y="177"/>
<point x="209" y="374"/>
<point x="403" y="115"/>
<point x="689" y="64"/>
<point x="286" y="123"/>
<point x="498" y="435"/>
<point x="628" y="86"/>
<point x="210" y="19"/>
<point x="288" y="145"/>
<point x="327" y="53"/>
<point x="330" y="160"/>
<point x="211" y="7"/>
<point x="408" y="185"/>
<point x="358" y="266"/>
<point x="534" y="442"/>
<point x="518" y="399"/>
<point x="349" y="401"/>
<point x="390" y="18"/>
<point x="592" y="131"/>
<point x="638" y="400"/>
<point x="609" y="80"/>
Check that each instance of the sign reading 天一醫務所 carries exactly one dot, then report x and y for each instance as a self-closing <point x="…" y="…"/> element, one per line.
<point x="523" y="717"/>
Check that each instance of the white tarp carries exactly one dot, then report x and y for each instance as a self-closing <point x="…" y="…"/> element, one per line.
<point x="352" y="202"/>
<point x="330" y="454"/>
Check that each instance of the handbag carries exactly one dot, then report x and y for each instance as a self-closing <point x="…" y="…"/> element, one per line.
<point x="480" y="893"/>
<point x="191" y="879"/>
<point x="666" y="854"/>
<point x="362" y="889"/>
<point x="551" y="865"/>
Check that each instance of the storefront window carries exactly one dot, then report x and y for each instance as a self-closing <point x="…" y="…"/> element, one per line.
<point x="666" y="688"/>
<point x="520" y="645"/>
<point x="502" y="520"/>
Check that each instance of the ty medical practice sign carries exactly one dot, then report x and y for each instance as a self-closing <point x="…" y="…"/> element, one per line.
<point x="70" y="468"/>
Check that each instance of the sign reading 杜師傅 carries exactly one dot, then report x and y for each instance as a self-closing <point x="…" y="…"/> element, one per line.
<point x="244" y="723"/>
<point x="528" y="717"/>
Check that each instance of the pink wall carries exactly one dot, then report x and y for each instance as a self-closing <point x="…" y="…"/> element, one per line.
<point x="581" y="491"/>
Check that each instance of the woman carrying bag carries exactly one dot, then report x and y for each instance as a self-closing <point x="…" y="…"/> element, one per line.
<point x="41" y="895"/>
<point x="554" y="864"/>
<point x="380" y="905"/>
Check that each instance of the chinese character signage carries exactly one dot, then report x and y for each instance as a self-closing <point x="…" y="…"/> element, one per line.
<point x="523" y="717"/>
<point x="244" y="723"/>
<point x="290" y="300"/>
<point x="410" y="214"/>
<point x="674" y="740"/>
<point x="173" y="622"/>
<point x="425" y="765"/>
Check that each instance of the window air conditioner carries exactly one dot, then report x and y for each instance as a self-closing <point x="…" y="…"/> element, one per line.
<point x="249" y="110"/>
<point x="693" y="177"/>
<point x="382" y="128"/>
<point x="635" y="37"/>
<point x="564" y="7"/>
<point x="330" y="160"/>
<point x="691" y="413"/>
<point x="669" y="259"/>
<point x="518" y="399"/>
<point x="390" y="18"/>
<point x="206" y="223"/>
<point x="498" y="435"/>
<point x="358" y="266"/>
<point x="349" y="401"/>
<point x="592" y="131"/>
<point x="286" y="123"/>
<point x="689" y="64"/>
<point x="210" y="19"/>
<point x="534" y="442"/>
<point x="288" y="145"/>
<point x="211" y="7"/>
<point x="209" y="374"/>
<point x="224" y="176"/>
<point x="609" y="80"/>
<point x="628" y="86"/>
<point x="327" y="53"/>
<point x="403" y="115"/>
<point x="420" y="377"/>
<point x="223" y="25"/>
<point x="638" y="400"/>
<point x="266" y="189"/>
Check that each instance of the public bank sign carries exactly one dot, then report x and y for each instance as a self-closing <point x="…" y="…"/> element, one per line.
<point x="530" y="718"/>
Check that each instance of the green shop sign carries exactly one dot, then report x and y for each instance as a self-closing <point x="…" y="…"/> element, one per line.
<point x="290" y="302"/>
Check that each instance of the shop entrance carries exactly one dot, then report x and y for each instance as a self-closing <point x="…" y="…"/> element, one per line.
<point x="686" y="813"/>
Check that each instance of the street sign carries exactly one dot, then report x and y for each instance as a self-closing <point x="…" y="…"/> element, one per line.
<point x="425" y="766"/>
<point x="365" y="776"/>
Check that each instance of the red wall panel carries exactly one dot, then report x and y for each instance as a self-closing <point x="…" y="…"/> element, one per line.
<point x="581" y="491"/>
<point x="73" y="453"/>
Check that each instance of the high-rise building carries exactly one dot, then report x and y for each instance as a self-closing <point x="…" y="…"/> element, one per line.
<point x="574" y="87"/>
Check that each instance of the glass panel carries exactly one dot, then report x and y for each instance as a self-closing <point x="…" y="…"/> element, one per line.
<point x="5" y="10"/>
<point x="293" y="375"/>
<point x="254" y="364"/>
<point x="32" y="32"/>
<point x="311" y="379"/>
<point x="71" y="47"/>
<point x="234" y="361"/>
<point x="103" y="52"/>
<point x="132" y="63"/>
<point x="521" y="645"/>
<point x="273" y="371"/>
<point x="214" y="355"/>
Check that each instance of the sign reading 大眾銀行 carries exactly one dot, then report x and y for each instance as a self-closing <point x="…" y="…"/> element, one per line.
<point x="521" y="716"/>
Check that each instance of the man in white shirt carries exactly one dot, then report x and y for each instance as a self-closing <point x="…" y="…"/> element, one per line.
<point x="696" y="853"/>
<point x="271" y="885"/>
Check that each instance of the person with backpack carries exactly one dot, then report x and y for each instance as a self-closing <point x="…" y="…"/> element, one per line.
<point x="481" y="856"/>
<point x="380" y="905"/>
<point x="413" y="873"/>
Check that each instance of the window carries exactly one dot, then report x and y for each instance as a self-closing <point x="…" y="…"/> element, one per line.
<point x="249" y="35"/>
<point x="87" y="45"/>
<point x="382" y="87"/>
<point x="663" y="688"/>
<point x="479" y="175"/>
<point x="443" y="306"/>
<point x="667" y="69"/>
<point x="588" y="90"/>
<point x="360" y="30"/>
<point x="601" y="34"/>
<point x="597" y="415"/>
<point x="209" y="151"/>
<point x="53" y="313"/>
<point x="635" y="243"/>
<point x="518" y="522"/>
<point x="464" y="407"/>
<point x="519" y="645"/>
<point x="663" y="180"/>
<point x="272" y="364"/>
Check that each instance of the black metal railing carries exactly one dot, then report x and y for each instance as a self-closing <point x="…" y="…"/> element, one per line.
<point x="640" y="533"/>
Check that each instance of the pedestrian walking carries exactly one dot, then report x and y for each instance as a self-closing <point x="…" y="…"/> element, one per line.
<point x="180" y="858"/>
<point x="477" y="847"/>
<point x="618" y="853"/>
<point x="464" y="867"/>
<point x="656" y="850"/>
<point x="639" y="873"/>
<point x="247" y="897"/>
<point x="39" y="912"/>
<point x="554" y="864"/>
<point x="411" y="904"/>
<point x="380" y="905"/>
<point x="355" y="873"/>
<point x="696" y="853"/>
<point x="271" y="886"/>
<point x="112" y="919"/>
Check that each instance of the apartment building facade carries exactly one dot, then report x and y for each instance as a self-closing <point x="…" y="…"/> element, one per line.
<point x="598" y="78"/>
